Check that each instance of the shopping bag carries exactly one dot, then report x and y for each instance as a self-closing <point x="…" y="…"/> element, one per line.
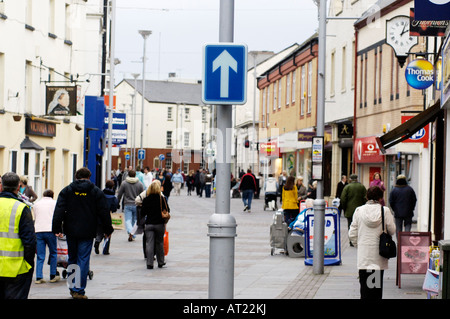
<point x="118" y="220"/>
<point x="166" y="243"/>
<point x="62" y="252"/>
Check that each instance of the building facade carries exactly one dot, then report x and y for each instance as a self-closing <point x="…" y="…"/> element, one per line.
<point x="60" y="45"/>
<point x="176" y="131"/>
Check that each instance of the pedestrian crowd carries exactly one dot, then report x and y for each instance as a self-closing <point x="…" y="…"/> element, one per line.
<point x="79" y="219"/>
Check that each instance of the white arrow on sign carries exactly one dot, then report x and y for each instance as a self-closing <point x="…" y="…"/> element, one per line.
<point x="224" y="61"/>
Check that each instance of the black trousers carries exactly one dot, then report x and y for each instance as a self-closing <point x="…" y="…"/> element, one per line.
<point x="16" y="288"/>
<point x="371" y="282"/>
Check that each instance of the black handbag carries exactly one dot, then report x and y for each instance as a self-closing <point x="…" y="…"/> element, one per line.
<point x="388" y="248"/>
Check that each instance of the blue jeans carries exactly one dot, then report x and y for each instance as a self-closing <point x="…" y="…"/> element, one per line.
<point x="80" y="255"/>
<point x="130" y="217"/>
<point x="208" y="190"/>
<point x="247" y="196"/>
<point x="44" y="239"/>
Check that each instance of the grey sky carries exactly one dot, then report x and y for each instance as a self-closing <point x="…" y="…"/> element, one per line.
<point x="180" y="28"/>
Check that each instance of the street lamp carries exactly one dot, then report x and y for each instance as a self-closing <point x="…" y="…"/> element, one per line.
<point x="144" y="34"/>
<point x="133" y="138"/>
<point x="319" y="203"/>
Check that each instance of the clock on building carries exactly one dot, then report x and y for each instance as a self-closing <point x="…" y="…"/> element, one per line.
<point x="397" y="36"/>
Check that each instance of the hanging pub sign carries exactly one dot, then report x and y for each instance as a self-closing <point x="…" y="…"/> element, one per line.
<point x="420" y="74"/>
<point x="61" y="100"/>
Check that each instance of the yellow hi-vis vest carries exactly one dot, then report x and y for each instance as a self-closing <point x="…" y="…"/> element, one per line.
<point x="12" y="262"/>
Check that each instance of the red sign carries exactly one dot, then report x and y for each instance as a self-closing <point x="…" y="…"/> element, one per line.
<point x="367" y="151"/>
<point x="269" y="149"/>
<point x="421" y="136"/>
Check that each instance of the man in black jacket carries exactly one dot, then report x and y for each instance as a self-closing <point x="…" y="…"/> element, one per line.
<point x="403" y="201"/>
<point x="79" y="209"/>
<point x="248" y="187"/>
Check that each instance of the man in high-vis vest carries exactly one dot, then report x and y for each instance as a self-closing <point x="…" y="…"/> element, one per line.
<point x="17" y="241"/>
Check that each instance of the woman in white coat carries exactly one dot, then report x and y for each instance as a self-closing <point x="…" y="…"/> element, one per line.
<point x="364" y="233"/>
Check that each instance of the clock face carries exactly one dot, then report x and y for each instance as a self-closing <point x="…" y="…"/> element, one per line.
<point x="397" y="35"/>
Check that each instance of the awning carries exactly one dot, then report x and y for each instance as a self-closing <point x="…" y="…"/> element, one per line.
<point x="30" y="145"/>
<point x="409" y="128"/>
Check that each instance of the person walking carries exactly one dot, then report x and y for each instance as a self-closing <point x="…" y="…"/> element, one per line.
<point x="353" y="195"/>
<point x="208" y="184"/>
<point x="340" y="186"/>
<point x="402" y="200"/>
<point x="148" y="177"/>
<point x="81" y="206"/>
<point x="376" y="181"/>
<point x="364" y="233"/>
<point x="177" y="180"/>
<point x="248" y="187"/>
<point x="301" y="189"/>
<point x="43" y="212"/>
<point x="129" y="189"/>
<point x="190" y="182"/>
<point x="270" y="191"/>
<point x="113" y="204"/>
<point x="289" y="198"/>
<point x="18" y="241"/>
<point x="26" y="190"/>
<point x="155" y="226"/>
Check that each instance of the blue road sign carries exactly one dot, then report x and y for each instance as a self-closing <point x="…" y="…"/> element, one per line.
<point x="432" y="10"/>
<point x="161" y="157"/>
<point x="224" y="74"/>
<point x="141" y="154"/>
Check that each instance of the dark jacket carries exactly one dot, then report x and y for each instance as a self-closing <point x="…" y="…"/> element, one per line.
<point x="353" y="196"/>
<point x="248" y="181"/>
<point x="151" y="208"/>
<point x="26" y="230"/>
<point x="80" y="207"/>
<point x="111" y="199"/>
<point x="403" y="201"/>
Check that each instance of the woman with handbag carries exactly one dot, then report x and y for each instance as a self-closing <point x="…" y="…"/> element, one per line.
<point x="155" y="225"/>
<point x="364" y="233"/>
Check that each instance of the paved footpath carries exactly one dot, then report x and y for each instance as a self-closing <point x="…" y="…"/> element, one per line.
<point x="258" y="274"/>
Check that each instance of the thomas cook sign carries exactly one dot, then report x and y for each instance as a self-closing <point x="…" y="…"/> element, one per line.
<point x="420" y="74"/>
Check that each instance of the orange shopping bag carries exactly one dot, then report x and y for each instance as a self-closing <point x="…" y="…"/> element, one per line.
<point x="166" y="243"/>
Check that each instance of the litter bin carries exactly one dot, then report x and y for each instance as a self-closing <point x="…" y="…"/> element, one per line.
<point x="444" y="269"/>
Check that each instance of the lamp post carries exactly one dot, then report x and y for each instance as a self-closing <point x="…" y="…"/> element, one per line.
<point x="111" y="87"/>
<point x="144" y="34"/>
<point x="133" y="137"/>
<point x="319" y="203"/>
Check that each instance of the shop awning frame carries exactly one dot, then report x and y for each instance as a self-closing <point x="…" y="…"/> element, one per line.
<point x="409" y="128"/>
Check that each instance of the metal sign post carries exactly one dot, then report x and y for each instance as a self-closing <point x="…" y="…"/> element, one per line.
<point x="222" y="225"/>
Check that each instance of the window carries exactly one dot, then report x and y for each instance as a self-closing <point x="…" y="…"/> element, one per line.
<point x="168" y="163"/>
<point x="29" y="12"/>
<point x="279" y="93"/>
<point x="74" y="165"/>
<point x="302" y="92"/>
<point x="365" y="80"/>
<point x="67" y="35"/>
<point x="332" y="71"/>
<point x="353" y="62"/>
<point x="26" y="163"/>
<point x="170" y="113"/>
<point x="13" y="161"/>
<point x="28" y="86"/>
<point x="267" y="108"/>
<point x="274" y="96"/>
<point x="51" y="16"/>
<point x="186" y="139"/>
<point x="264" y="100"/>
<point x="288" y="88"/>
<point x="344" y="69"/>
<point x="187" y="114"/>
<point x="169" y="138"/>
<point x="294" y="73"/>
<point x="375" y="82"/>
<point x="203" y="139"/>
<point x="380" y="72"/>
<point x="310" y="72"/>
<point x="203" y="115"/>
<point x="361" y="75"/>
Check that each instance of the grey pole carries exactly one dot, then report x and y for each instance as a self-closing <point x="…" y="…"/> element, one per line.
<point x="319" y="202"/>
<point x="133" y="140"/>
<point x="111" y="87"/>
<point x="145" y="34"/>
<point x="222" y="225"/>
